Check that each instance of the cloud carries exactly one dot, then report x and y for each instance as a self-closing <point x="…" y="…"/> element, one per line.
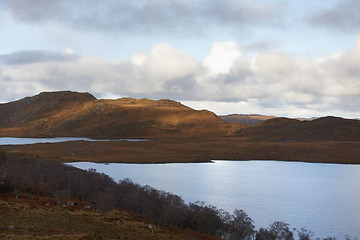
<point x="148" y="16"/>
<point x="271" y="81"/>
<point x="222" y="57"/>
<point x="343" y="16"/>
<point x="26" y="57"/>
<point x="262" y="45"/>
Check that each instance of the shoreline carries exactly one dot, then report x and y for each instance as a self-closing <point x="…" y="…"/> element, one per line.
<point x="214" y="162"/>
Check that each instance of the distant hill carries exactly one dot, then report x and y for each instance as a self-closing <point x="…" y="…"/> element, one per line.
<point x="67" y="113"/>
<point x="301" y="129"/>
<point x="252" y="119"/>
<point x="81" y="114"/>
<point x="325" y="128"/>
<point x="247" y="119"/>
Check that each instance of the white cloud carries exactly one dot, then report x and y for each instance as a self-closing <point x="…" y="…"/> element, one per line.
<point x="166" y="63"/>
<point x="69" y="51"/>
<point x="222" y="57"/>
<point x="269" y="81"/>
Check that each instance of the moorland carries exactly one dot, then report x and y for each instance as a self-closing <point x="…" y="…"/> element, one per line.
<point x="176" y="133"/>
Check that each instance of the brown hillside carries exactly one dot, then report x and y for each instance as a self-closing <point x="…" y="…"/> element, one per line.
<point x="28" y="109"/>
<point x="81" y="114"/>
<point x="326" y="128"/>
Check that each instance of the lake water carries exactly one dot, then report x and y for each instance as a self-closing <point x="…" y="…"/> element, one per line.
<point x="22" y="141"/>
<point x="324" y="198"/>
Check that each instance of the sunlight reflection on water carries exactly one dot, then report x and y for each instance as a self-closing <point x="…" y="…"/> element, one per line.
<point x="24" y="141"/>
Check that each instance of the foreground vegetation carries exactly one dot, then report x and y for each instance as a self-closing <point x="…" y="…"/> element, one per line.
<point x="39" y="217"/>
<point x="25" y="175"/>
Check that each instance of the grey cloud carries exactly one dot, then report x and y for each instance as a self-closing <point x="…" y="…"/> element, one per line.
<point x="271" y="103"/>
<point x="28" y="57"/>
<point x="344" y="16"/>
<point x="181" y="85"/>
<point x="36" y="10"/>
<point x="144" y="16"/>
<point x="240" y="73"/>
<point x="260" y="46"/>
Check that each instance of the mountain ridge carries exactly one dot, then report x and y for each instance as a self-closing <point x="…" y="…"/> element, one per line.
<point x="67" y="113"/>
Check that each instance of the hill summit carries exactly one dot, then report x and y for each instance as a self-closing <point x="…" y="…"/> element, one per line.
<point x="69" y="113"/>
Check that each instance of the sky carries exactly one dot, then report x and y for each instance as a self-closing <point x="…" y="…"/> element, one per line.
<point x="271" y="57"/>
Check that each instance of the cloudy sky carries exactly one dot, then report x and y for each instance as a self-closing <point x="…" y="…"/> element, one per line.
<point x="285" y="58"/>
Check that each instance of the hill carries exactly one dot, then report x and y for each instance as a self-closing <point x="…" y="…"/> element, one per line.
<point x="253" y="119"/>
<point x="247" y="119"/>
<point x="67" y="113"/>
<point x="81" y="114"/>
<point x="324" y="129"/>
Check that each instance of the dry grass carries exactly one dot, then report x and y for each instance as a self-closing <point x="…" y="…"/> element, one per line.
<point x="41" y="218"/>
<point x="164" y="150"/>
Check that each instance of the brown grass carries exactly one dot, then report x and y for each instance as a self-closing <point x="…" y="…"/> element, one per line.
<point x="164" y="150"/>
<point x="34" y="217"/>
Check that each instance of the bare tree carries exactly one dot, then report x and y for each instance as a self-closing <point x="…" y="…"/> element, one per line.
<point x="241" y="226"/>
<point x="4" y="165"/>
<point x="276" y="231"/>
<point x="105" y="201"/>
<point x="305" y="234"/>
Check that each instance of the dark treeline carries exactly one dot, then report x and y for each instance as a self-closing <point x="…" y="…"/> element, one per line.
<point x="24" y="174"/>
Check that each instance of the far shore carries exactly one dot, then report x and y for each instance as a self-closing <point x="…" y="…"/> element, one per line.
<point x="190" y="150"/>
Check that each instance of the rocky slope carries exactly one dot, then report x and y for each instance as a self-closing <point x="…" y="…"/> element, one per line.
<point x="81" y="114"/>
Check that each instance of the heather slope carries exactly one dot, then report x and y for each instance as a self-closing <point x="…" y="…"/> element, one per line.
<point x="75" y="114"/>
<point x="324" y="129"/>
<point x="81" y="114"/>
<point x="41" y="106"/>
